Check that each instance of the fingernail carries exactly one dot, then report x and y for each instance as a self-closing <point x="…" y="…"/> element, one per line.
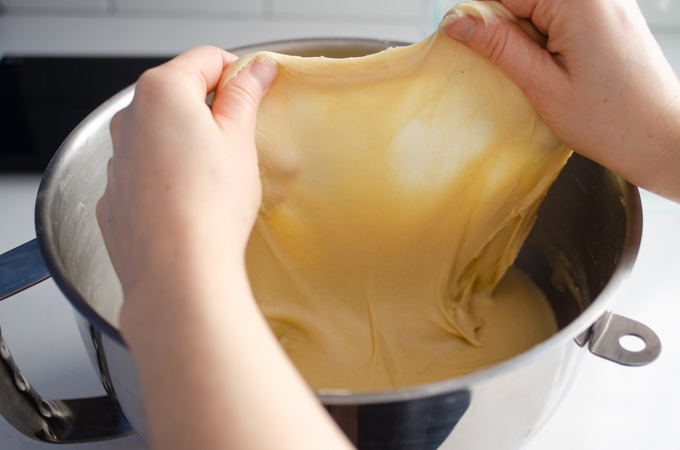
<point x="264" y="70"/>
<point x="460" y="28"/>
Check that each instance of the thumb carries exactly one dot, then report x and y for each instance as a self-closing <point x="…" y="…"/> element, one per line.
<point x="514" y="45"/>
<point x="237" y="98"/>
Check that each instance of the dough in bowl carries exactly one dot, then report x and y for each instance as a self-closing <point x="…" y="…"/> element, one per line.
<point x="397" y="190"/>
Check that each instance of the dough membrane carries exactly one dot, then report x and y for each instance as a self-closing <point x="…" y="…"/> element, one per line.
<point x="397" y="190"/>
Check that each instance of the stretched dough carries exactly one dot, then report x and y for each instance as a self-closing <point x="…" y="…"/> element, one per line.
<point x="397" y="189"/>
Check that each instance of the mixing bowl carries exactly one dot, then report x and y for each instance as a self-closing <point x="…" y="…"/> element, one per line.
<point x="579" y="252"/>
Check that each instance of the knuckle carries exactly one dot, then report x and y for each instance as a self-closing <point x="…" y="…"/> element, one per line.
<point x="115" y="125"/>
<point x="116" y="131"/>
<point x="494" y="44"/>
<point x="245" y="92"/>
<point x="149" y="79"/>
<point x="155" y="83"/>
<point x="164" y="82"/>
<point x="242" y="99"/>
<point x="109" y="168"/>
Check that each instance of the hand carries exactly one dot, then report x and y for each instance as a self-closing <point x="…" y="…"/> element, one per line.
<point x="182" y="196"/>
<point x="184" y="177"/>
<point x="601" y="83"/>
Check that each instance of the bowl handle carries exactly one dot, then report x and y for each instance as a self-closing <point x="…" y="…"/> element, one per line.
<point x="55" y="421"/>
<point x="605" y="335"/>
<point x="21" y="268"/>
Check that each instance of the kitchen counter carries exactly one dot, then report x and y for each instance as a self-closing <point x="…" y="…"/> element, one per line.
<point x="610" y="406"/>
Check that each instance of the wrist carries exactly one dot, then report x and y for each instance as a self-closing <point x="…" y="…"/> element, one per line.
<point x="176" y="291"/>
<point x="654" y="161"/>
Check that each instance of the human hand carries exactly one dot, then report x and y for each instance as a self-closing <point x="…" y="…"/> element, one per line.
<point x="183" y="185"/>
<point x="601" y="84"/>
<point x="182" y="196"/>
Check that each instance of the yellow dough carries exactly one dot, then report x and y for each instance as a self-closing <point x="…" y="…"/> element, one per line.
<point x="397" y="190"/>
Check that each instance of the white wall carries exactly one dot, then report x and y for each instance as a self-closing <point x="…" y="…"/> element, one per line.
<point x="662" y="15"/>
<point x="168" y="27"/>
<point x="390" y="10"/>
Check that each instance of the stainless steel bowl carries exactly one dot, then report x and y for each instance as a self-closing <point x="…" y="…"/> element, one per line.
<point x="582" y="247"/>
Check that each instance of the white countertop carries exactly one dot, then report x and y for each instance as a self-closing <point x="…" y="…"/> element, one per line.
<point x="609" y="407"/>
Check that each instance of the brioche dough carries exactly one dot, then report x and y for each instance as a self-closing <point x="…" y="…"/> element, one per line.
<point x="397" y="189"/>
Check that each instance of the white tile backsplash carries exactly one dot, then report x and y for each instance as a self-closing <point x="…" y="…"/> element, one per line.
<point x="662" y="15"/>
<point x="55" y="4"/>
<point x="404" y="9"/>
<point x="363" y="10"/>
<point x="116" y="35"/>
<point x="227" y="6"/>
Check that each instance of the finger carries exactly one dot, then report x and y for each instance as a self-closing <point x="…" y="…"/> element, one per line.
<point x="100" y="210"/>
<point x="537" y="11"/>
<point x="521" y="8"/>
<point x="237" y="100"/>
<point x="504" y="43"/>
<point x="115" y="128"/>
<point x="104" y="221"/>
<point x="198" y="69"/>
<point x="103" y="218"/>
<point x="100" y="213"/>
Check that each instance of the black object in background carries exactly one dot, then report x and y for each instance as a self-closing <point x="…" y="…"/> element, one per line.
<point x="42" y="99"/>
